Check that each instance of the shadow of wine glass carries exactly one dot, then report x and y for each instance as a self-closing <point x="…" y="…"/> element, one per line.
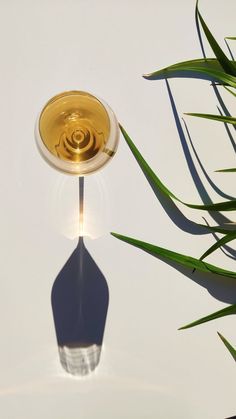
<point x="80" y="298"/>
<point x="220" y="287"/>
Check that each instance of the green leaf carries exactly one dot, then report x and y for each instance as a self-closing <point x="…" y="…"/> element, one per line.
<point x="217" y="229"/>
<point x="225" y="119"/>
<point x="208" y="68"/>
<point x="228" y="67"/>
<point x="228" y="346"/>
<point x="233" y="169"/>
<point x="145" y="167"/>
<point x="156" y="182"/>
<point x="183" y="260"/>
<point x="233" y="38"/>
<point x="221" y="242"/>
<point x="221" y="313"/>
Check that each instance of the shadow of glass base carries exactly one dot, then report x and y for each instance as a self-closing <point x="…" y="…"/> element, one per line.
<point x="80" y="298"/>
<point x="79" y="360"/>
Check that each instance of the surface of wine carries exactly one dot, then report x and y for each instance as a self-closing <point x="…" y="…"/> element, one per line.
<point x="74" y="126"/>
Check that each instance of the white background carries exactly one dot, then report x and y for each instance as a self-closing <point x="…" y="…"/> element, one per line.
<point x="148" y="369"/>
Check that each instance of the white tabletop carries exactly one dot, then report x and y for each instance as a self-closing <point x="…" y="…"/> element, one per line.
<point x="148" y="368"/>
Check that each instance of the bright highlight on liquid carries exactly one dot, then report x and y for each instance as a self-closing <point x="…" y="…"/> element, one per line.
<point x="74" y="126"/>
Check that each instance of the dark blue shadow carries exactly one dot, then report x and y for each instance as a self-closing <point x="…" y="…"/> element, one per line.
<point x="218" y="217"/>
<point x="210" y="181"/>
<point x="220" y="287"/>
<point x="80" y="299"/>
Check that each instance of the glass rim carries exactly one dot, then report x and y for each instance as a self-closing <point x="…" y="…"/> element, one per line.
<point x="83" y="167"/>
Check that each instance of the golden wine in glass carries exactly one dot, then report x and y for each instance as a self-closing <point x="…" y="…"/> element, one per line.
<point x="77" y="133"/>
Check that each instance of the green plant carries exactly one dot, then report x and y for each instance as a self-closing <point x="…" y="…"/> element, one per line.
<point x="221" y="71"/>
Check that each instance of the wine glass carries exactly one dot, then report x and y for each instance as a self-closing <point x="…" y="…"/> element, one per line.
<point x="78" y="134"/>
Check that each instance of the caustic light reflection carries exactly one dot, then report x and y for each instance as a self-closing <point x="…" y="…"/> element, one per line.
<point x="79" y="360"/>
<point x="64" y="214"/>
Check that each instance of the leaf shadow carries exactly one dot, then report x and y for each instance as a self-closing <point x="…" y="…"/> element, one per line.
<point x="179" y="219"/>
<point x="231" y="138"/>
<point x="229" y="49"/>
<point x="210" y="181"/>
<point x="220" y="287"/>
<point x="174" y="213"/>
<point x="225" y="248"/>
<point x="218" y="217"/>
<point x="231" y="252"/>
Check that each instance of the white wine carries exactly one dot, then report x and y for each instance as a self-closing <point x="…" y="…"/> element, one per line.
<point x="77" y="133"/>
<point x="74" y="126"/>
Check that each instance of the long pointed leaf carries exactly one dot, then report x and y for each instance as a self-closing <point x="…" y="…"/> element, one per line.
<point x="209" y="69"/>
<point x="228" y="346"/>
<point x="217" y="229"/>
<point x="226" y="239"/>
<point x="183" y="260"/>
<point x="233" y="169"/>
<point x="233" y="38"/>
<point x="221" y="313"/>
<point x="219" y="53"/>
<point x="155" y="181"/>
<point x="225" y="119"/>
